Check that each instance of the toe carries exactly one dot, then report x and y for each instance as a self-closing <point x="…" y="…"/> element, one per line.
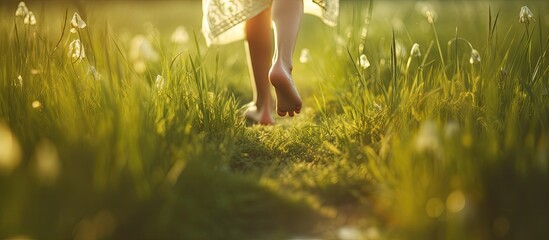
<point x="298" y="109"/>
<point x="281" y="113"/>
<point x="291" y="113"/>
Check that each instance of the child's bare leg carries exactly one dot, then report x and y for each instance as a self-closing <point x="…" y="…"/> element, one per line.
<point x="260" y="51"/>
<point x="286" y="15"/>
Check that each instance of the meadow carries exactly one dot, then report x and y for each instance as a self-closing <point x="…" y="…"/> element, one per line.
<point x="421" y="120"/>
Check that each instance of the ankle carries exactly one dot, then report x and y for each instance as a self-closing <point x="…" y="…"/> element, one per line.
<point x="285" y="64"/>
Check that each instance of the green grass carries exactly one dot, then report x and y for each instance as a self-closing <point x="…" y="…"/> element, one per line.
<point x="429" y="147"/>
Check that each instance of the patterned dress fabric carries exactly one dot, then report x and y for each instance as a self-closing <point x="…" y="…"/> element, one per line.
<point x="223" y="20"/>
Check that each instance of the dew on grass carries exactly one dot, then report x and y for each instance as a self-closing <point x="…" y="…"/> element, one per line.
<point x="77" y="23"/>
<point x="46" y="162"/>
<point x="180" y="35"/>
<point x="10" y="151"/>
<point x="305" y="56"/>
<point x="455" y="201"/>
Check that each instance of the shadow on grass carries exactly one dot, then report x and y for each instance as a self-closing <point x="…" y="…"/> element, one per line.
<point x="208" y="203"/>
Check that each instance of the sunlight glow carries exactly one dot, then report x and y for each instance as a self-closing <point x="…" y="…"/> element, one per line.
<point x="180" y="35"/>
<point x="36" y="104"/>
<point x="10" y="151"/>
<point x="349" y="233"/>
<point x="434" y="207"/>
<point x="47" y="164"/>
<point x="305" y="56"/>
<point x="455" y="201"/>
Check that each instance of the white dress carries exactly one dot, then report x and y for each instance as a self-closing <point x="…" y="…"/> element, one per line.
<point x="223" y="20"/>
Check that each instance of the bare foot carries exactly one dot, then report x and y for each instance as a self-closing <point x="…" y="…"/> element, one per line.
<point x="258" y="116"/>
<point x="288" y="100"/>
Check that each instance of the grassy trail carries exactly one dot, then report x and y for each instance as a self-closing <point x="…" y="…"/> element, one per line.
<point x="124" y="129"/>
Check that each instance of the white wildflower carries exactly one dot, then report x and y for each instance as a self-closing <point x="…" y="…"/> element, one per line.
<point x="142" y="49"/>
<point x="400" y="50"/>
<point x="180" y="35"/>
<point x="415" y="52"/>
<point x="431" y="16"/>
<point x="451" y="130"/>
<point x="95" y="74"/>
<point x="427" y="139"/>
<point x="159" y="82"/>
<point x="349" y="233"/>
<point x="76" y="50"/>
<point x="22" y="10"/>
<point x="363" y="61"/>
<point x="141" y="53"/>
<point x="372" y="233"/>
<point x="398" y="24"/>
<point x="10" y="151"/>
<point x="47" y="164"/>
<point x="140" y="66"/>
<point x="19" y="82"/>
<point x="30" y="19"/>
<point x="475" y="57"/>
<point x="525" y="15"/>
<point x="341" y="45"/>
<point x="77" y="23"/>
<point x="305" y="56"/>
